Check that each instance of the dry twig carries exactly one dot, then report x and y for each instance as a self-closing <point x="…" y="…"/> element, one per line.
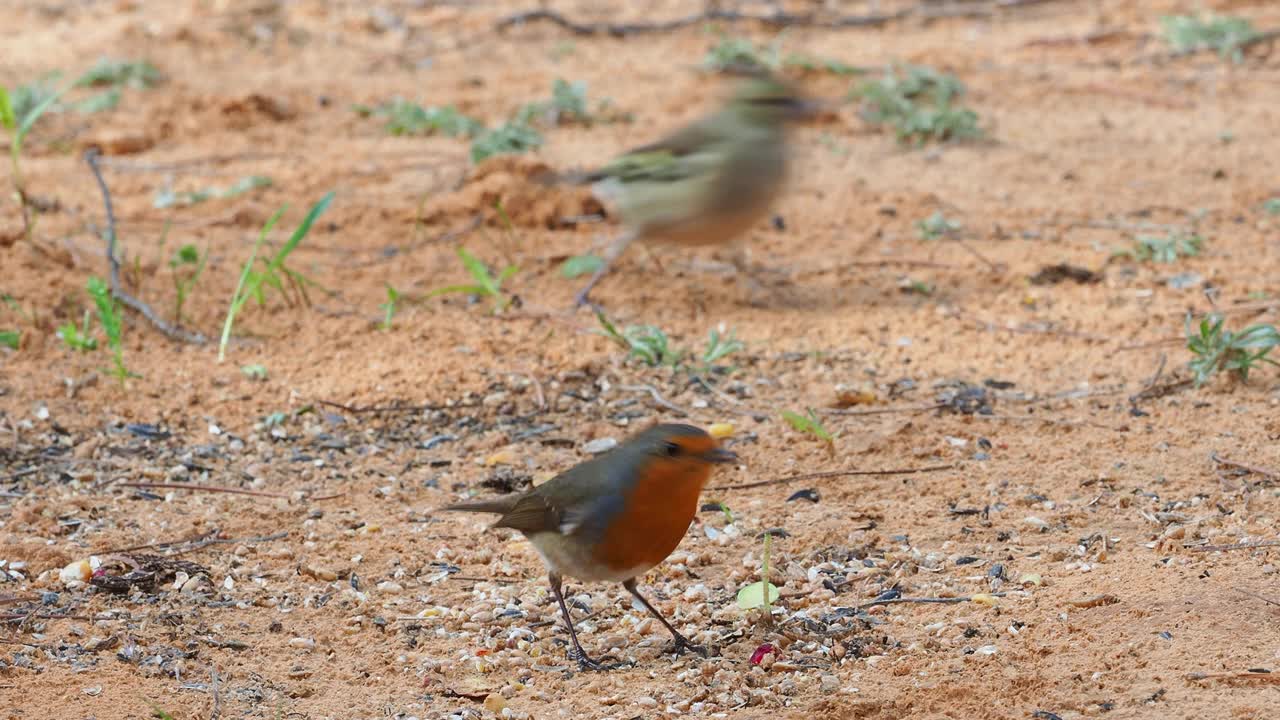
<point x="1265" y="472"/>
<point x="91" y="157"/>
<point x="834" y="474"/>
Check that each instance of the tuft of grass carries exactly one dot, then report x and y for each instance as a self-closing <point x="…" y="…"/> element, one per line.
<point x="78" y="338"/>
<point x="408" y="118"/>
<point x="1224" y="34"/>
<point x="253" y="283"/>
<point x="389" y="307"/>
<point x="109" y="318"/>
<point x="937" y="226"/>
<point x="186" y="266"/>
<point x="485" y="282"/>
<point x="1216" y="348"/>
<point x="10" y="339"/>
<point x="808" y="423"/>
<point x="1164" y="250"/>
<point x="720" y="345"/>
<point x="167" y="198"/>
<point x="920" y="104"/>
<point x="647" y="342"/>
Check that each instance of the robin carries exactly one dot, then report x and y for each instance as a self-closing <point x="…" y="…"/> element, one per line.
<point x="706" y="183"/>
<point x="616" y="516"/>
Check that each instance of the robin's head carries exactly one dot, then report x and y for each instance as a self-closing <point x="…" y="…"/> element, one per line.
<point x="764" y="99"/>
<point x="683" y="444"/>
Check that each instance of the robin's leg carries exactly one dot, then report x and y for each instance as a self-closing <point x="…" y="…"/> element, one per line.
<point x="682" y="643"/>
<point x="616" y="248"/>
<point x="578" y="653"/>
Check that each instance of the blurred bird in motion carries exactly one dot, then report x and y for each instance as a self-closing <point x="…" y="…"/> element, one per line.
<point x="616" y="516"/>
<point x="708" y="182"/>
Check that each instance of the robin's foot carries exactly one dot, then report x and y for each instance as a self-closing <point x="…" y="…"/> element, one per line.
<point x="586" y="663"/>
<point x="683" y="644"/>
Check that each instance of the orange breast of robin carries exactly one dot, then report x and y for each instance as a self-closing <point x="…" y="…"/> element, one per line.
<point x="655" y="516"/>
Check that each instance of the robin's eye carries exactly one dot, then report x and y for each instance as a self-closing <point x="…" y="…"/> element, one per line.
<point x="671" y="449"/>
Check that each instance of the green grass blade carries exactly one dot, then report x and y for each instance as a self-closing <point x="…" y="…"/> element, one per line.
<point x="303" y="229"/>
<point x="239" y="296"/>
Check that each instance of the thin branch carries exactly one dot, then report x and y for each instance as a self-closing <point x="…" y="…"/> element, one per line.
<point x="937" y="600"/>
<point x="778" y="19"/>
<point x="1236" y="675"/>
<point x="657" y="398"/>
<point x="397" y="407"/>
<point x="1256" y="596"/>
<point x="1265" y="472"/>
<point x="1235" y="546"/>
<point x="213" y="690"/>
<point x="834" y="474"/>
<point x="200" y="488"/>
<point x="91" y="157"/>
<point x="882" y="411"/>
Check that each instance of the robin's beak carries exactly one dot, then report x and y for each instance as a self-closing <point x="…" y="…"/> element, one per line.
<point x="720" y="455"/>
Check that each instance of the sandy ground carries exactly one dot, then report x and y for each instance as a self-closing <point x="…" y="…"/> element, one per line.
<point x="1082" y="505"/>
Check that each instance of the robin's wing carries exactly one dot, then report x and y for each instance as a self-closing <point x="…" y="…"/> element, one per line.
<point x="580" y="498"/>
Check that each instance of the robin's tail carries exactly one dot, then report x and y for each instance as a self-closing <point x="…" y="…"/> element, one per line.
<point x="501" y="506"/>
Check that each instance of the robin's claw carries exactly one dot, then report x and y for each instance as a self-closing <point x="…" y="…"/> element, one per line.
<point x="585" y="663"/>
<point x="683" y="644"/>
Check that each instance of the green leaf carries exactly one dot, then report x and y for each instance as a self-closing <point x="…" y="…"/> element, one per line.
<point x="254" y="372"/>
<point x="103" y="101"/>
<point x="465" y="289"/>
<point x="1272" y="206"/>
<point x="581" y="265"/>
<point x="808" y="423"/>
<point x="752" y="596"/>
<point x="10" y="338"/>
<point x="6" y="110"/>
<point x="187" y="255"/>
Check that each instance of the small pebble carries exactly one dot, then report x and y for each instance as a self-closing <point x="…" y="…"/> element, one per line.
<point x="600" y="445"/>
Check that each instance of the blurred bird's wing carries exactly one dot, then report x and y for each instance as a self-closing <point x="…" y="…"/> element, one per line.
<point x="669" y="159"/>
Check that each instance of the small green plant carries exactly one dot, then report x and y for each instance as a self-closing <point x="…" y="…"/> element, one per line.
<point x="1215" y="348"/>
<point x="1164" y="250"/>
<point x="569" y="101"/>
<point x="1223" y="34"/>
<point x="485" y="284"/>
<point x="511" y="138"/>
<point x="579" y="265"/>
<point x="103" y="101"/>
<point x="815" y="63"/>
<point x="254" y="372"/>
<point x="19" y="111"/>
<point x="78" y="338"/>
<point x="737" y="52"/>
<point x="1271" y="206"/>
<point x="720" y="345"/>
<point x="167" y="198"/>
<point x="389" y="307"/>
<point x="920" y="104"/>
<point x="808" y="423"/>
<point x="252" y="283"/>
<point x="937" y="226"/>
<point x="647" y="342"/>
<point x="120" y="73"/>
<point x="917" y="287"/>
<point x="186" y="266"/>
<point x="723" y="508"/>
<point x="408" y="118"/>
<point x="10" y="339"/>
<point x="762" y="594"/>
<point x="109" y="318"/>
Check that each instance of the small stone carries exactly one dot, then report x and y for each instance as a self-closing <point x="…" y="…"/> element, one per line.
<point x="302" y="643"/>
<point x="829" y="683"/>
<point x="600" y="445"/>
<point x="494" y="703"/>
